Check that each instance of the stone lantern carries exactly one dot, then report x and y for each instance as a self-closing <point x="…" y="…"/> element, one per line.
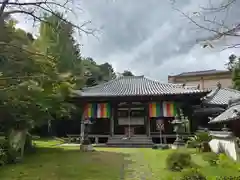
<point x="86" y="144"/>
<point x="178" y="124"/>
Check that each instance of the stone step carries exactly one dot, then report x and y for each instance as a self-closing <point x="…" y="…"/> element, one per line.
<point x="130" y="145"/>
<point x="139" y="141"/>
<point x="134" y="141"/>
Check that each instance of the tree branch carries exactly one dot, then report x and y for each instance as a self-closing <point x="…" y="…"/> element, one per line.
<point x="218" y="33"/>
<point x="221" y="7"/>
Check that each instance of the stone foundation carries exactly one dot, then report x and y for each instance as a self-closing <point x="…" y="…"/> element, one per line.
<point x="225" y="142"/>
<point x="86" y="148"/>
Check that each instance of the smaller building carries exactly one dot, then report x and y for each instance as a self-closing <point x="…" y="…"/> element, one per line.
<point x="230" y="117"/>
<point x="215" y="103"/>
<point x="203" y="79"/>
<point x="226" y="141"/>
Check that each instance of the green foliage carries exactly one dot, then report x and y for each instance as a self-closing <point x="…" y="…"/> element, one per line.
<point x="127" y="73"/>
<point x="7" y="154"/>
<point x="38" y="75"/>
<point x="192" y="174"/>
<point x="234" y="66"/>
<point x="95" y="74"/>
<point x="29" y="146"/>
<point x="3" y="156"/>
<point x="178" y="160"/>
<point x="225" y="162"/>
<point x="200" y="140"/>
<point x="160" y="146"/>
<point x="211" y="158"/>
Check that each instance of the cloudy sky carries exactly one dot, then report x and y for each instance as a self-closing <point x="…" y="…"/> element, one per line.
<point x="150" y="38"/>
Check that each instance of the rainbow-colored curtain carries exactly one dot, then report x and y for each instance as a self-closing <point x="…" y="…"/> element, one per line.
<point x="90" y="110"/>
<point x="169" y="109"/>
<point x="103" y="110"/>
<point x="97" y="110"/>
<point x="162" y="109"/>
<point x="155" y="109"/>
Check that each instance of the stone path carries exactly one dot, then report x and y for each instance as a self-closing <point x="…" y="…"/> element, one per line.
<point x="136" y="167"/>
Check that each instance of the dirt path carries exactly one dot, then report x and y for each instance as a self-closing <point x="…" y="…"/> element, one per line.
<point x="137" y="167"/>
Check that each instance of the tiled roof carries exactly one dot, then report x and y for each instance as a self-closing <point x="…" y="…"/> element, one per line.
<point x="221" y="96"/>
<point x="232" y="113"/>
<point x="135" y="86"/>
<point x="187" y="86"/>
<point x="199" y="73"/>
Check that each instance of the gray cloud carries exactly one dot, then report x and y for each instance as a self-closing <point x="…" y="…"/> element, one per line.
<point x="150" y="38"/>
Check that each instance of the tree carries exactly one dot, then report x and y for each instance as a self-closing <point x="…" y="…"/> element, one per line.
<point x="95" y="74"/>
<point x="56" y="40"/>
<point x="34" y="86"/>
<point x="234" y="66"/>
<point x="127" y="73"/>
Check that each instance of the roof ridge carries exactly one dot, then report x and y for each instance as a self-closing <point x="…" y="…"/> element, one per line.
<point x="110" y="81"/>
<point x="165" y="83"/>
<point x="211" y="96"/>
<point x="230" y="89"/>
<point x="99" y="85"/>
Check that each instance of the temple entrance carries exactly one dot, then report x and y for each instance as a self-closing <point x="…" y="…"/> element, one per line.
<point x="131" y="121"/>
<point x="129" y="131"/>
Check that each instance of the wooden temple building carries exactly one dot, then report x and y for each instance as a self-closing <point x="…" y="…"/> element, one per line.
<point x="132" y="109"/>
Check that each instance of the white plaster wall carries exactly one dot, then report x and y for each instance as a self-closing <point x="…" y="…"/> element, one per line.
<point x="229" y="146"/>
<point x="212" y="83"/>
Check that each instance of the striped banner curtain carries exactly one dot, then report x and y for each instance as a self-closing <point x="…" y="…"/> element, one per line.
<point x="162" y="109"/>
<point x="97" y="110"/>
<point x="103" y="110"/>
<point x="90" y="110"/>
<point x="155" y="109"/>
<point x="169" y="109"/>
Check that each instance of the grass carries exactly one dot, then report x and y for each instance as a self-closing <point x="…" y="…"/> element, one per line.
<point x="52" y="162"/>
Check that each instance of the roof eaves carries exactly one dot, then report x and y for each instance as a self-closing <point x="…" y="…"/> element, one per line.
<point x="232" y="113"/>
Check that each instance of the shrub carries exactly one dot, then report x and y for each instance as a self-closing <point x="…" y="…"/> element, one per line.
<point x="155" y="146"/>
<point x="177" y="160"/>
<point x="3" y="156"/>
<point x="160" y="146"/>
<point x="211" y="158"/>
<point x="200" y="140"/>
<point x="191" y="144"/>
<point x="227" y="177"/>
<point x="164" y="146"/>
<point x="10" y="155"/>
<point x="192" y="174"/>
<point x="29" y="146"/>
<point x="225" y="161"/>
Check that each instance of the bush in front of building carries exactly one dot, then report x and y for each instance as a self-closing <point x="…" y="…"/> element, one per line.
<point x="211" y="158"/>
<point x="192" y="174"/>
<point x="160" y="146"/>
<point x="7" y="154"/>
<point x="225" y="162"/>
<point x="200" y="140"/>
<point x="178" y="160"/>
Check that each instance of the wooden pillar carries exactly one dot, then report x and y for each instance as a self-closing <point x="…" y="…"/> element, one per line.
<point x="115" y="116"/>
<point x="147" y="120"/>
<point x="112" y="121"/>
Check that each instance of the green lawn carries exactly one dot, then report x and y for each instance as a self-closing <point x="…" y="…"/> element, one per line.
<point x="55" y="163"/>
